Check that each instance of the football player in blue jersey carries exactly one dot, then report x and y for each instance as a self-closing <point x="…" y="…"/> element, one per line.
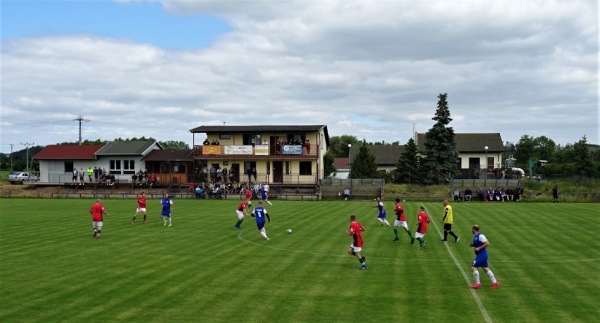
<point x="480" y="244"/>
<point x="260" y="214"/>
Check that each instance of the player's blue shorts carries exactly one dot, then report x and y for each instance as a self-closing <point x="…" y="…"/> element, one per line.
<point x="166" y="213"/>
<point x="263" y="196"/>
<point x="260" y="225"/>
<point x="382" y="215"/>
<point x="480" y="262"/>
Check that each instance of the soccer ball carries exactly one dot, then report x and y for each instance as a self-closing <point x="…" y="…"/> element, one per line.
<point x="289" y="231"/>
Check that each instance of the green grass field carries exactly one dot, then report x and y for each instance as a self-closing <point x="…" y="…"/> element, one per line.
<point x="546" y="257"/>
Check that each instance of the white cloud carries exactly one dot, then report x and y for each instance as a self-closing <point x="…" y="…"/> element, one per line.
<point x="373" y="69"/>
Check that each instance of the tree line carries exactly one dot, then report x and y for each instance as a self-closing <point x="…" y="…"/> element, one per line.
<point x="440" y="162"/>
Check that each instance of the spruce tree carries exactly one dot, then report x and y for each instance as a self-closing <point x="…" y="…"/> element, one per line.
<point x="407" y="167"/>
<point x="441" y="162"/>
<point x="584" y="166"/>
<point x="363" y="165"/>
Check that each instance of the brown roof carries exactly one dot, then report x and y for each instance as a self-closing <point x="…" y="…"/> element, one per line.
<point x="384" y="154"/>
<point x="258" y="128"/>
<point x="471" y="142"/>
<point x="341" y="163"/>
<point x="75" y="152"/>
<point x="169" y="155"/>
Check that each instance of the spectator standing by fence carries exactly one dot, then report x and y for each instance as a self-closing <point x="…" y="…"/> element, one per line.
<point x="555" y="194"/>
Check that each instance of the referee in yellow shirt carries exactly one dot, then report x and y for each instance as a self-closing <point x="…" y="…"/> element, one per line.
<point x="448" y="219"/>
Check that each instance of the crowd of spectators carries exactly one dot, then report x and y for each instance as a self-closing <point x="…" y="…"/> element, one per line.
<point x="216" y="190"/>
<point x="490" y="195"/>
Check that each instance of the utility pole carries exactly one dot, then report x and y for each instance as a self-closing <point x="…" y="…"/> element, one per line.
<point x="27" y="145"/>
<point x="11" y="151"/>
<point x="80" y="119"/>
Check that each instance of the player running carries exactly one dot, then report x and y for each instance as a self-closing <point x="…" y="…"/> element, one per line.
<point x="401" y="222"/>
<point x="260" y="213"/>
<point x="480" y="244"/>
<point x="422" y="221"/>
<point x="240" y="211"/>
<point x="381" y="217"/>
<point x="141" y="207"/>
<point x="167" y="206"/>
<point x="264" y="193"/>
<point x="355" y="231"/>
<point x="248" y="194"/>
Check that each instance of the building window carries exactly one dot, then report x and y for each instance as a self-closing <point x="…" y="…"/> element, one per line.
<point x="287" y="167"/>
<point x="129" y="166"/>
<point x="178" y="168"/>
<point x="165" y="168"/>
<point x="68" y="166"/>
<point x="295" y="139"/>
<point x="474" y="163"/>
<point x="153" y="167"/>
<point x="305" y="168"/>
<point x="115" y="166"/>
<point x="251" y="139"/>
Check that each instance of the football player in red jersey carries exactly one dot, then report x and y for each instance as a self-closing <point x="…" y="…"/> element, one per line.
<point x="141" y="207"/>
<point x="355" y="231"/>
<point x="422" y="221"/>
<point x="401" y="221"/>
<point x="240" y="211"/>
<point x="248" y="193"/>
<point x="97" y="211"/>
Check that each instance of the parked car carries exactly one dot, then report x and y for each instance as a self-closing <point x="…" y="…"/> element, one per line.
<point x="21" y="177"/>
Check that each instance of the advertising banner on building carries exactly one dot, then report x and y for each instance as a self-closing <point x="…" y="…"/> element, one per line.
<point x="261" y="149"/>
<point x="292" y="149"/>
<point x="238" y="150"/>
<point x="211" y="150"/>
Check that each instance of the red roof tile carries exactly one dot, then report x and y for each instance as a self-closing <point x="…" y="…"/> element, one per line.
<point x="68" y="152"/>
<point x="341" y="163"/>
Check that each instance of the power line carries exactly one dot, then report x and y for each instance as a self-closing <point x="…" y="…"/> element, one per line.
<point x="11" y="151"/>
<point x="26" y="144"/>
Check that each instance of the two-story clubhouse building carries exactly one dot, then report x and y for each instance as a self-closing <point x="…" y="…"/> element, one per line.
<point x="284" y="155"/>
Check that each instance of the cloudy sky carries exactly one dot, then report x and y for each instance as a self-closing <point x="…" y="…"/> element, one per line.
<point x="372" y="69"/>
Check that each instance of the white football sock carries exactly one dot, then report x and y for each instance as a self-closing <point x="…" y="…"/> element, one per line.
<point x="476" y="277"/>
<point x="491" y="276"/>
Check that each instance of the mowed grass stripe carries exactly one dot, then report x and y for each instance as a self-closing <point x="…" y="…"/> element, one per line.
<point x="202" y="268"/>
<point x="533" y="243"/>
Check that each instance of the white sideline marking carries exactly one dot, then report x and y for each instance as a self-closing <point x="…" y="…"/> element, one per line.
<point x="464" y="274"/>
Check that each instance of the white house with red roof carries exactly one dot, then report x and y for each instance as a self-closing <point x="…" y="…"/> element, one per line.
<point x="119" y="158"/>
<point x="57" y="162"/>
